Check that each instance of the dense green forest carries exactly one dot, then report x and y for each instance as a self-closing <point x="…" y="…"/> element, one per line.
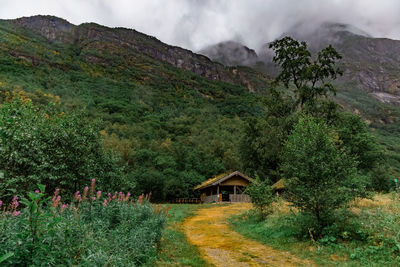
<point x="170" y="128"/>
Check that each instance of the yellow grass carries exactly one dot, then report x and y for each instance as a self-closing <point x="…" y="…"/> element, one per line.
<point x="385" y="202"/>
<point x="209" y="231"/>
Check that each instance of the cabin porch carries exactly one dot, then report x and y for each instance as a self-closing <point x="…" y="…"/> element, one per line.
<point x="224" y="193"/>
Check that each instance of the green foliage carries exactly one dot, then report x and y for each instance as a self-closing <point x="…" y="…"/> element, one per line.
<point x="144" y="104"/>
<point x="360" y="144"/>
<point x="320" y="176"/>
<point x="307" y="75"/>
<point x="87" y="233"/>
<point x="41" y="145"/>
<point x="262" y="197"/>
<point x="263" y="140"/>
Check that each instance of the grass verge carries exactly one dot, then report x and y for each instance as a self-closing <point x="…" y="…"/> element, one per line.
<point x="175" y="248"/>
<point x="377" y="222"/>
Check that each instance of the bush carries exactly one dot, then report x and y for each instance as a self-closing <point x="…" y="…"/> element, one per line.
<point x="90" y="231"/>
<point x="262" y="197"/>
<point x="41" y="145"/>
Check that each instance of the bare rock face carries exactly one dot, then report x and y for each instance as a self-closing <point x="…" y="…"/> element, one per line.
<point x="52" y="28"/>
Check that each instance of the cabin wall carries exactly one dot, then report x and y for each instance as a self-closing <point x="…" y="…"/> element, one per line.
<point x="210" y="199"/>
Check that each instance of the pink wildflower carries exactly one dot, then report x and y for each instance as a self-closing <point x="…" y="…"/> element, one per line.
<point x="36" y="191"/>
<point x="98" y="194"/>
<point x="14" y="203"/>
<point x="16" y="213"/>
<point x="105" y="203"/>
<point x="93" y="198"/>
<point x="92" y="185"/>
<point x="85" y="191"/>
<point x="56" y="201"/>
<point x="77" y="196"/>
<point x="63" y="207"/>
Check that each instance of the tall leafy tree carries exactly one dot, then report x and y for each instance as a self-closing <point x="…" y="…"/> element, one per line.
<point x="310" y="76"/>
<point x="320" y="176"/>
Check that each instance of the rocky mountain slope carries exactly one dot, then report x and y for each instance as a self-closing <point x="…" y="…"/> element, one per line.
<point x="371" y="65"/>
<point x="126" y="42"/>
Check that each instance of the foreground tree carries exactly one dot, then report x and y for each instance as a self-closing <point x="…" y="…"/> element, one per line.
<point x="262" y="197"/>
<point x="321" y="177"/>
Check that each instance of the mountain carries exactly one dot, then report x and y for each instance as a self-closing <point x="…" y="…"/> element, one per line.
<point x="126" y="42"/>
<point x="372" y="64"/>
<point x="231" y="53"/>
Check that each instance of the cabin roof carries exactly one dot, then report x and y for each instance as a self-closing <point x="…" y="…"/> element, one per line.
<point x="220" y="178"/>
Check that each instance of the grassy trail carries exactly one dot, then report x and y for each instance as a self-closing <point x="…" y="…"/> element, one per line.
<point x="175" y="248"/>
<point x="209" y="230"/>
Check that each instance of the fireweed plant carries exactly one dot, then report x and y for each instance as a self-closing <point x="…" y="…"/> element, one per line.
<point x="94" y="229"/>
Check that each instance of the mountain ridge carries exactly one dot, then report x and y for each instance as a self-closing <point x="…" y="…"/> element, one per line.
<point x="60" y="30"/>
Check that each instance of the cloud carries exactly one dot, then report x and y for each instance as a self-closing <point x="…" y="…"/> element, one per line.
<point x="194" y="24"/>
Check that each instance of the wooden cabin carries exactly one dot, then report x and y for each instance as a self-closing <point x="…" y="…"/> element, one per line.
<point x="225" y="188"/>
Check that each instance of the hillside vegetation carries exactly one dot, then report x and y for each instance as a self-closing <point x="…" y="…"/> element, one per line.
<point x="173" y="118"/>
<point x="171" y="128"/>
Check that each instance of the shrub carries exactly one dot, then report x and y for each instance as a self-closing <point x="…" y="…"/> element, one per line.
<point x="92" y="230"/>
<point x="262" y="197"/>
<point x="40" y="145"/>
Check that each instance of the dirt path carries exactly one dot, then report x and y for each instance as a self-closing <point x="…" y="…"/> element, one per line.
<point x="209" y="230"/>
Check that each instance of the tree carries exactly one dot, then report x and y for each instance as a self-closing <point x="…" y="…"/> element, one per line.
<point x="262" y="196"/>
<point x="309" y="76"/>
<point x="363" y="146"/>
<point x="320" y="176"/>
<point x="263" y="141"/>
<point x="41" y="145"/>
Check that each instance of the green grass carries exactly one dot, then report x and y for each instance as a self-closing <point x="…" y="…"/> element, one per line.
<point x="175" y="248"/>
<point x="378" y="227"/>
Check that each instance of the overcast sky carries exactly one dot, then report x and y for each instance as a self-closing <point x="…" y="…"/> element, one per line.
<point x="194" y="24"/>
